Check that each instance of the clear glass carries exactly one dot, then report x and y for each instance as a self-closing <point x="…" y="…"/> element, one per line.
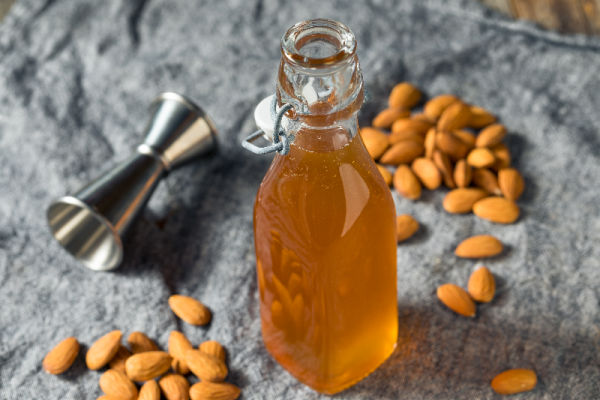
<point x="324" y="223"/>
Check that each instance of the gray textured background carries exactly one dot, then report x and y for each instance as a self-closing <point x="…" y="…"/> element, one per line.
<point x="75" y="80"/>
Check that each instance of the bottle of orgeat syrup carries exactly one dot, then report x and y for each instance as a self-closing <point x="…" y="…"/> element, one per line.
<point x="324" y="222"/>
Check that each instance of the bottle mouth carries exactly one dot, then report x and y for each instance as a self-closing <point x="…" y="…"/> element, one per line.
<point x="318" y="43"/>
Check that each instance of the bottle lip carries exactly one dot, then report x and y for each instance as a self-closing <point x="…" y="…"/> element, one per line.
<point x="340" y="38"/>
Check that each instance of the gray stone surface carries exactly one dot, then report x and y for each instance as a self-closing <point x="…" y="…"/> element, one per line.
<point x="75" y="80"/>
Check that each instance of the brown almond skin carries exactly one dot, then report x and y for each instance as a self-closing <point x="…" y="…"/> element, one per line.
<point x="402" y="152"/>
<point x="427" y="173"/>
<point x="177" y="346"/>
<point x="190" y="310"/>
<point x="103" y="350"/>
<point x="497" y="209"/>
<point x="435" y="107"/>
<point x="174" y="387"/>
<point x="461" y="201"/>
<point x="421" y="117"/>
<point x="442" y="161"/>
<point x="511" y="183"/>
<point x="502" y="155"/>
<point x="387" y="117"/>
<point x="481" y="157"/>
<point x="430" y="143"/>
<point x="213" y="348"/>
<point x="411" y="125"/>
<point x="514" y="381"/>
<point x="406" y="183"/>
<point x="375" y="141"/>
<point x="149" y="365"/>
<point x="406" y="226"/>
<point x="406" y="135"/>
<point x="404" y="95"/>
<point x="117" y="385"/>
<point x="61" y="357"/>
<point x="485" y="179"/>
<point x="462" y="174"/>
<point x="205" y="366"/>
<point x="457" y="299"/>
<point x="139" y="343"/>
<point x="455" y="116"/>
<point x="214" y="391"/>
<point x="482" y="285"/>
<point x="480" y="246"/>
<point x="480" y="117"/>
<point x="491" y="136"/>
<point x="385" y="173"/>
<point x="149" y="391"/>
<point x="466" y="137"/>
<point x="451" y="145"/>
<point x="118" y="361"/>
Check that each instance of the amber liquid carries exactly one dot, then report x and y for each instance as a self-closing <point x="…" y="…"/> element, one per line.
<point x="326" y="261"/>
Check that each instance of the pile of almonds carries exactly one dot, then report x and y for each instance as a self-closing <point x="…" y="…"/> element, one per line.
<point x="143" y="362"/>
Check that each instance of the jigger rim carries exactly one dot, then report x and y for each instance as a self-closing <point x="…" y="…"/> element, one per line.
<point x="188" y="103"/>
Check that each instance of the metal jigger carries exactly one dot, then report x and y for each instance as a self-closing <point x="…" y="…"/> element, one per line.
<point x="91" y="223"/>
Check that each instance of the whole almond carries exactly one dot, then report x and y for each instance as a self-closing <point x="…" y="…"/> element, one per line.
<point x="429" y="143"/>
<point x="480" y="117"/>
<point x="480" y="246"/>
<point x="485" y="179"/>
<point x="213" y="348"/>
<point x="177" y="346"/>
<point x="406" y="135"/>
<point x="189" y="309"/>
<point x="386" y="118"/>
<point x="410" y="125"/>
<point x="497" y="209"/>
<point x="451" y="145"/>
<point x="502" y="155"/>
<point x="455" y="116"/>
<point x="175" y="387"/>
<point x="404" y="95"/>
<point x="375" y="141"/>
<point x="443" y="163"/>
<point x="482" y="285"/>
<point x="406" y="183"/>
<point x="421" y="117"/>
<point x="145" y="366"/>
<point x="461" y="201"/>
<point x="436" y="106"/>
<point x="149" y="391"/>
<point x="466" y="137"/>
<point x="61" y="357"/>
<point x="117" y="385"/>
<point x="103" y="350"/>
<point x="402" y="152"/>
<point x="491" y="136"/>
<point x="514" y="381"/>
<point x="457" y="299"/>
<point x="406" y="226"/>
<point x="462" y="174"/>
<point x="214" y="391"/>
<point x="385" y="173"/>
<point x="205" y="366"/>
<point x="427" y="173"/>
<point x="139" y="343"/>
<point x="118" y="361"/>
<point x="481" y="157"/>
<point x="511" y="183"/>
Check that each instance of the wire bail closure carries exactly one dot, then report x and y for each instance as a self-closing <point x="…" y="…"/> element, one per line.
<point x="281" y="140"/>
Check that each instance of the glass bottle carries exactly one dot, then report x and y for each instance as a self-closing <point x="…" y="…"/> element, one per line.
<point x="324" y="222"/>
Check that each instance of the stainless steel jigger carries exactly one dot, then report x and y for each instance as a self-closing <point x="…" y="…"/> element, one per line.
<point x="91" y="223"/>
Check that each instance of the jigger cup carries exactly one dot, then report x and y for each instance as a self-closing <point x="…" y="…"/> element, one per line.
<point x="91" y="223"/>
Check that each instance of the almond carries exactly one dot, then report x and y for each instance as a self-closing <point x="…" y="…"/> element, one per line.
<point x="436" y="106"/>
<point x="118" y="386"/>
<point x="461" y="201"/>
<point x="178" y="345"/>
<point x="213" y="348"/>
<point x="375" y="141"/>
<point x="451" y="145"/>
<point x="189" y="309"/>
<point x="149" y="391"/>
<point x="466" y="137"/>
<point x="205" y="366"/>
<point x="480" y="117"/>
<point x="457" y="299"/>
<point x="406" y="135"/>
<point x="462" y="174"/>
<point x="511" y="183"/>
<point x="514" y="381"/>
<point x="118" y="361"/>
<point x="385" y="173"/>
<point x="443" y="163"/>
<point x="175" y="387"/>
<point x="430" y="143"/>
<point x="420" y="117"/>
<point x="139" y="343"/>
<point x="479" y="246"/>
<point x="491" y="136"/>
<point x="427" y="172"/>
<point x="486" y="180"/>
<point x="386" y="118"/>
<point x="404" y="95"/>
<point x="455" y="116"/>
<point x="410" y="125"/>
<point x="61" y="357"/>
<point x="214" y="391"/>
<point x="103" y="350"/>
<point x="406" y="226"/>
<point x="482" y="285"/>
<point x="502" y="155"/>
<point x="402" y="152"/>
<point x="481" y="157"/>
<point x="497" y="209"/>
<point x="145" y="366"/>
<point x="406" y="183"/>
